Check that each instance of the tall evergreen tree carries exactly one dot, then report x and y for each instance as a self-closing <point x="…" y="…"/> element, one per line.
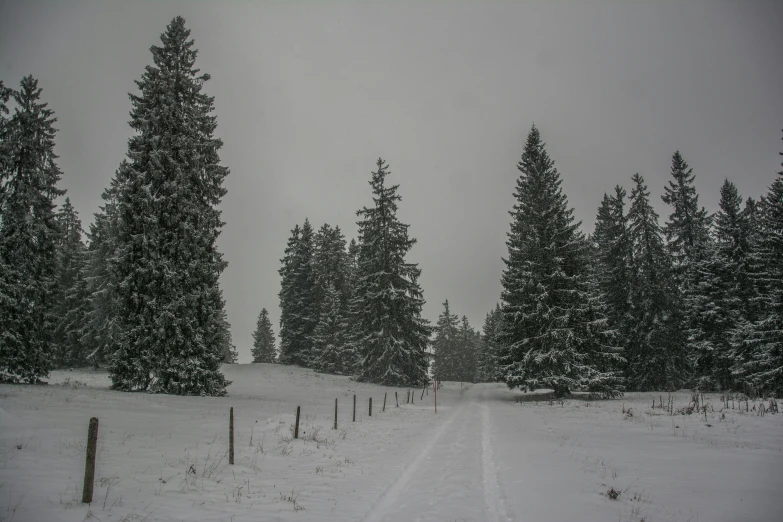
<point x="446" y="364"/>
<point x="28" y="234"/>
<point x="614" y="258"/>
<point x="299" y="312"/>
<point x="394" y="334"/>
<point x="550" y="337"/>
<point x="688" y="225"/>
<point x="760" y="342"/>
<point x="334" y="352"/>
<point x="99" y="330"/>
<point x="264" y="350"/>
<point x="655" y="355"/>
<point x="467" y="351"/>
<point x="489" y="349"/>
<point x="69" y="276"/>
<point x="172" y="328"/>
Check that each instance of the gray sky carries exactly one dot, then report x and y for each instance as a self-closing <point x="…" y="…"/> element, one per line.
<point x="309" y="94"/>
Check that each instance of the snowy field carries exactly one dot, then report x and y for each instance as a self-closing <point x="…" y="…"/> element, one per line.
<point x="489" y="454"/>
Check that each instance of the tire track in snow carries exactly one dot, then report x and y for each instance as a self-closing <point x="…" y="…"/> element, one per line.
<point x="496" y="507"/>
<point x="389" y="497"/>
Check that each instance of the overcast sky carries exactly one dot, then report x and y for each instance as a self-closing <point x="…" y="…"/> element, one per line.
<point x="309" y="94"/>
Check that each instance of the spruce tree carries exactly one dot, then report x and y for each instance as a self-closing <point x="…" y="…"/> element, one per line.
<point x="28" y="234"/>
<point x="334" y="352"/>
<point x="264" y="350"/>
<point x="760" y="342"/>
<point x="489" y="349"/>
<point x="299" y="312"/>
<point x="394" y="336"/>
<point x="688" y="225"/>
<point x="614" y="258"/>
<point x="550" y="337"/>
<point x="99" y="330"/>
<point x="170" y="311"/>
<point x="656" y="359"/>
<point x="70" y="296"/>
<point x="466" y="351"/>
<point x="444" y="346"/>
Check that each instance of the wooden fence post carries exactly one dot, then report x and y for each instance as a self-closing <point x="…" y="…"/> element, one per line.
<point x="435" y="391"/>
<point x="296" y="427"/>
<point x="422" y="393"/>
<point x="396" y="399"/>
<point x="335" y="413"/>
<point x="89" y="468"/>
<point x="370" y="406"/>
<point x="384" y="401"/>
<point x="231" y="437"/>
<point x="413" y="396"/>
<point x="354" y="408"/>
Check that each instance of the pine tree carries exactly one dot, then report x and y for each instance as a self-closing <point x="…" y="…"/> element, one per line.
<point x="99" y="330"/>
<point x="69" y="303"/>
<point x="299" y="312"/>
<point x="335" y="353"/>
<point x="394" y="336"/>
<point x="225" y="341"/>
<point x="170" y="311"/>
<point x="466" y="350"/>
<point x="614" y="258"/>
<point x="688" y="225"/>
<point x="445" y="366"/>
<point x="489" y="349"/>
<point x="760" y="342"/>
<point x="28" y="234"/>
<point x="655" y="355"/>
<point x="550" y="337"/>
<point x="264" y="350"/>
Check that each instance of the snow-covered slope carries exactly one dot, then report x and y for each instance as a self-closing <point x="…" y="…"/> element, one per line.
<point x="489" y="454"/>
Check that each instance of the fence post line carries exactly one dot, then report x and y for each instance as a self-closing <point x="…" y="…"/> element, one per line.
<point x="296" y="427"/>
<point x="89" y="467"/>
<point x="335" y="413"/>
<point x="231" y="437"/>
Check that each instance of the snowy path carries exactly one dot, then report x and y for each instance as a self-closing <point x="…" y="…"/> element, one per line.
<point x="454" y="476"/>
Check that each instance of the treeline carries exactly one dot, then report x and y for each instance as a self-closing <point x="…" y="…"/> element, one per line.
<point x="355" y="310"/>
<point x="697" y="302"/>
<point x="141" y="295"/>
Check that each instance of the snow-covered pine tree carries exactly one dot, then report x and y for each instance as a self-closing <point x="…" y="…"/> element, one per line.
<point x="331" y="267"/>
<point x="100" y="328"/>
<point x="225" y="341"/>
<point x="724" y="293"/>
<point x="761" y="342"/>
<point x="67" y="307"/>
<point x="264" y="350"/>
<point x="656" y="359"/>
<point x="444" y="346"/>
<point x="28" y="234"/>
<point x="488" y="369"/>
<point x="614" y="257"/>
<point x="466" y="351"/>
<point x="549" y="336"/>
<point x="298" y="311"/>
<point x="394" y="336"/>
<point x="687" y="230"/>
<point x="335" y="353"/>
<point x="170" y="311"/>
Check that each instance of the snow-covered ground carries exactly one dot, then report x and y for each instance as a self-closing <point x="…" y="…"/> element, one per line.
<point x="489" y="454"/>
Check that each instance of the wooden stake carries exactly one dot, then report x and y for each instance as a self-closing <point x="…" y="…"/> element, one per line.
<point x="370" y="406"/>
<point x="354" y="408"/>
<point x="231" y="437"/>
<point x="435" y="391"/>
<point x="396" y="399"/>
<point x="413" y="396"/>
<point x="89" y="467"/>
<point x="335" y="413"/>
<point x="384" y="401"/>
<point x="296" y="426"/>
<point x="422" y="393"/>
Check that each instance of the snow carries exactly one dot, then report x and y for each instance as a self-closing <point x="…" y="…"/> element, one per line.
<point x="489" y="454"/>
